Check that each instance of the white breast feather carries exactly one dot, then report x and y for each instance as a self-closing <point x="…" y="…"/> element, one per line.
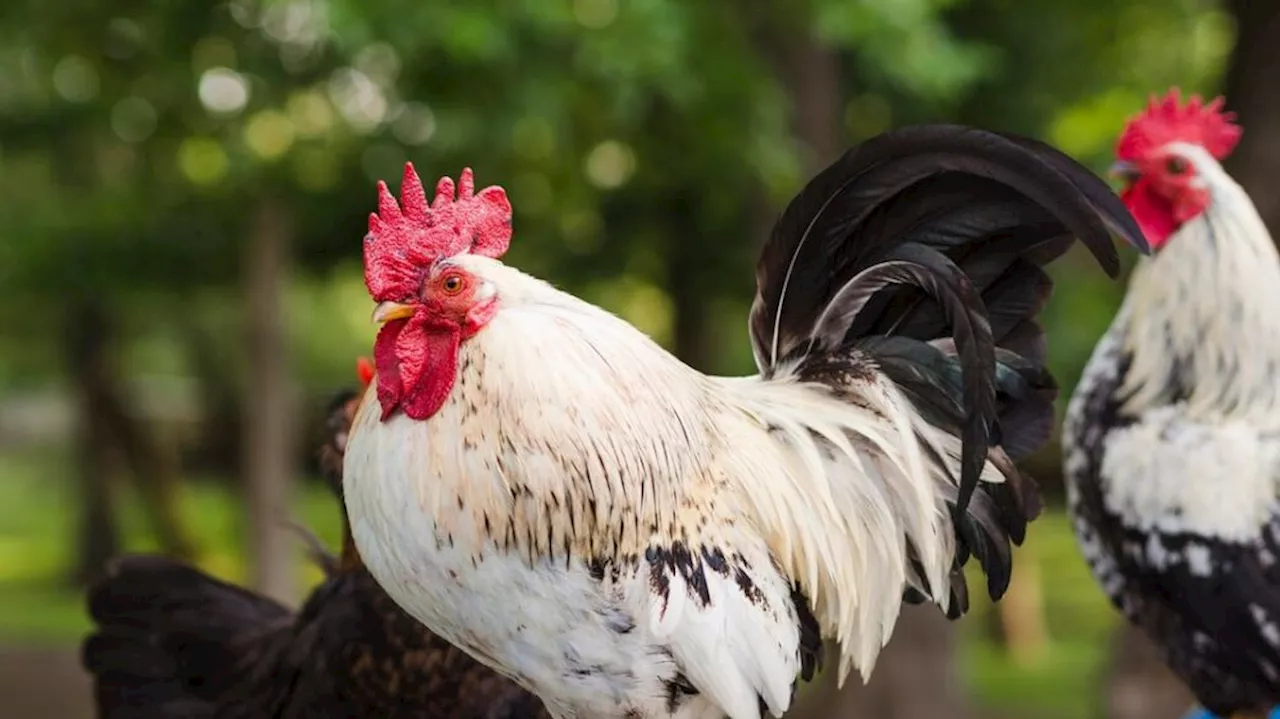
<point x="1170" y="474"/>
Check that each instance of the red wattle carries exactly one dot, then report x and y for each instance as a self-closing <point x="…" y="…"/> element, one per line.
<point x="437" y="351"/>
<point x="390" y="385"/>
<point x="1154" y="213"/>
<point x="417" y="361"/>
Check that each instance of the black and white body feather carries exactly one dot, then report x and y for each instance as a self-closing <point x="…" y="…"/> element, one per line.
<point x="1172" y="446"/>
<point x="632" y="539"/>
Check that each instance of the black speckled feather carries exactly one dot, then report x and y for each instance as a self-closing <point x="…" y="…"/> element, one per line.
<point x="1211" y="625"/>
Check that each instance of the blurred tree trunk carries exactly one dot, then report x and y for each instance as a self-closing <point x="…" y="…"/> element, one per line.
<point x="154" y="471"/>
<point x="810" y="74"/>
<point x="109" y="431"/>
<point x="87" y="360"/>
<point x="1137" y="685"/>
<point x="694" y="342"/>
<point x="1019" y="617"/>
<point x="1251" y="93"/>
<point x="219" y="450"/>
<point x="268" y="420"/>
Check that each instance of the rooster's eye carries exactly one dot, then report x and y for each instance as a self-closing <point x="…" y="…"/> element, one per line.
<point x="452" y="284"/>
<point x="1175" y="166"/>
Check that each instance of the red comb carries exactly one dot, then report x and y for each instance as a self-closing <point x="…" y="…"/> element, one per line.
<point x="406" y="238"/>
<point x="1167" y="120"/>
<point x="364" y="370"/>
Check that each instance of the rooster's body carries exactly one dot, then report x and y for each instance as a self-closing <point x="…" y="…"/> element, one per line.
<point x="546" y="487"/>
<point x="174" y="643"/>
<point x="596" y="600"/>
<point x="1172" y="439"/>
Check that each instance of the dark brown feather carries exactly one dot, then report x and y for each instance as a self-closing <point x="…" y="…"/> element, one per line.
<point x="172" y="642"/>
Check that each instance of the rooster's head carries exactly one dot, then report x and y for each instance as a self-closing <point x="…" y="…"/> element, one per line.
<point x="1158" y="157"/>
<point x="418" y="269"/>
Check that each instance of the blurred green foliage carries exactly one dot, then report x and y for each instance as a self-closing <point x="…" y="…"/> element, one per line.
<point x="137" y="138"/>
<point x="645" y="145"/>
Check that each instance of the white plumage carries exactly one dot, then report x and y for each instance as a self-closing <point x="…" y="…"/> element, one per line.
<point x="631" y="539"/>
<point x="1147" y="466"/>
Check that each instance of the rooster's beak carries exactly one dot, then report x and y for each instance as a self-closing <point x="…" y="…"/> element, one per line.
<point x="387" y="311"/>
<point x="1126" y="171"/>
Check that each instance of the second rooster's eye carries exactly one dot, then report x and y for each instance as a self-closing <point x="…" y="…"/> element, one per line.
<point x="452" y="284"/>
<point x="1175" y="165"/>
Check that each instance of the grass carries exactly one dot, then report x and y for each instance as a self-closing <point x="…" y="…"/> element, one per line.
<point x="38" y="512"/>
<point x="1063" y="683"/>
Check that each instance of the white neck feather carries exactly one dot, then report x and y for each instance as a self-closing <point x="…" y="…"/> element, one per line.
<point x="1200" y="316"/>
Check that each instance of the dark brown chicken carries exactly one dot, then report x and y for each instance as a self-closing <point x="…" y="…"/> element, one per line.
<point x="174" y="642"/>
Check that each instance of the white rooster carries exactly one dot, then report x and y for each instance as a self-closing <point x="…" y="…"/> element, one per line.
<point x="543" y="485"/>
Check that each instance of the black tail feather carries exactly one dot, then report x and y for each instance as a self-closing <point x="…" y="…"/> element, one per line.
<point x="922" y="250"/>
<point x="169" y="638"/>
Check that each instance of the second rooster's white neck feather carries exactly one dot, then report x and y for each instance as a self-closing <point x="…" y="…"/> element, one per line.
<point x="1200" y="315"/>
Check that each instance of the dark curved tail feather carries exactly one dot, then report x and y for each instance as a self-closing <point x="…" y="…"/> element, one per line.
<point x="169" y="639"/>
<point x="923" y="250"/>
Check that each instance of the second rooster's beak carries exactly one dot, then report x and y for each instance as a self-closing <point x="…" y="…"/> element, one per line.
<point x="387" y="311"/>
<point x="1126" y="171"/>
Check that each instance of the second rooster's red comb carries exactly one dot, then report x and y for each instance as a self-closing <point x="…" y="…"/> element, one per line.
<point x="408" y="236"/>
<point x="1168" y="120"/>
